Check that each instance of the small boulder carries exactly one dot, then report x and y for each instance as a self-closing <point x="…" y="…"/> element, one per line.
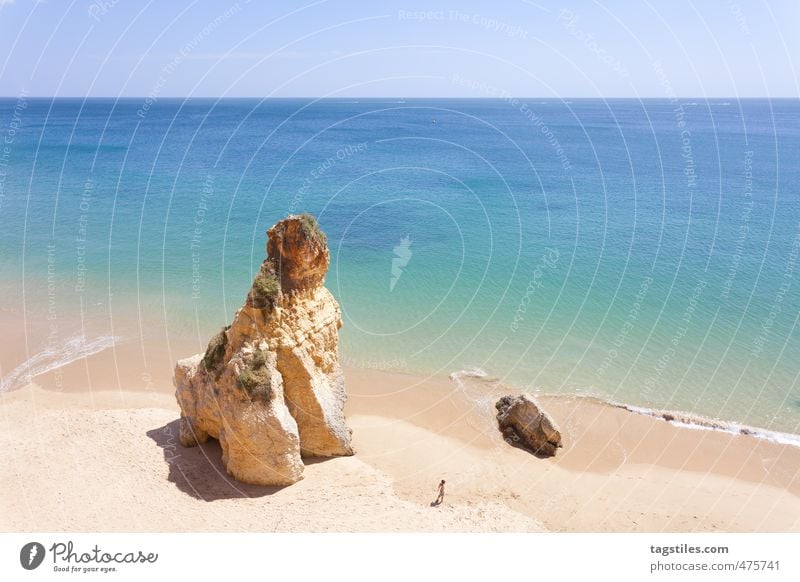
<point x="527" y="426"/>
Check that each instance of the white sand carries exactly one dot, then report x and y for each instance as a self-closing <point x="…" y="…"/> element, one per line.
<point x="102" y="454"/>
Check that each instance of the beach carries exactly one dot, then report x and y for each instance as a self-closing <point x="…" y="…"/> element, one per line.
<point x="342" y="291"/>
<point x="605" y="278"/>
<point x="93" y="446"/>
<point x="655" y="325"/>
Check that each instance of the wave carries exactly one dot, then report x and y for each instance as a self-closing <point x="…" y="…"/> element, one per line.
<point x="692" y="421"/>
<point x="468" y="373"/>
<point x="697" y="422"/>
<point x="477" y="394"/>
<point x="74" y="349"/>
<point x="472" y="384"/>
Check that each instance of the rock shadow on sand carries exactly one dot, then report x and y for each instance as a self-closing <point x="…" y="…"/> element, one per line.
<point x="199" y="471"/>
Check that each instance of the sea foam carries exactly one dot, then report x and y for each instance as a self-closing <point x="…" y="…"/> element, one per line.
<point x="52" y="358"/>
<point x="696" y="422"/>
<point x="677" y="418"/>
<point x="468" y="373"/>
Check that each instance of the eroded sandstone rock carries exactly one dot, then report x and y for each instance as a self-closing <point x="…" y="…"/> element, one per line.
<point x="269" y="385"/>
<point x="524" y="424"/>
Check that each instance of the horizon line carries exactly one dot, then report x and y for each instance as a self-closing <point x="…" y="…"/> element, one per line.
<point x="505" y="98"/>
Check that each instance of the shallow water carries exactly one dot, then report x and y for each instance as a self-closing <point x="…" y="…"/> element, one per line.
<point x="642" y="252"/>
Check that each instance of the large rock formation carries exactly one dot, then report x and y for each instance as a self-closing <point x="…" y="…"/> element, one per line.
<point x="524" y="424"/>
<point x="269" y="387"/>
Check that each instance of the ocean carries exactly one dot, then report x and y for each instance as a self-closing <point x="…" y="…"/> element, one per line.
<point x="643" y="252"/>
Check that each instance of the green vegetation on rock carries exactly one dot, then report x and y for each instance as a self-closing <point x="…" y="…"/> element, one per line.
<point x="215" y="352"/>
<point x="266" y="287"/>
<point x="311" y="229"/>
<point x="254" y="380"/>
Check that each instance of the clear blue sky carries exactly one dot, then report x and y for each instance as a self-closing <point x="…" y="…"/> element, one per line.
<point x="345" y="48"/>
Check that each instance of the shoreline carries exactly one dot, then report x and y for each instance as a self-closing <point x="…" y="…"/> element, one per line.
<point x="32" y="331"/>
<point x="692" y="421"/>
<point x="109" y="435"/>
<point x="677" y="418"/>
<point x="73" y="352"/>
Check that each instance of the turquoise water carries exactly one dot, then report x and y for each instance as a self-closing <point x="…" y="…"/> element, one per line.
<point x="645" y="252"/>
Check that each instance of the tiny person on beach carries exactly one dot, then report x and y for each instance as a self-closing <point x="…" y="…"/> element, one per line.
<point x="440" y="498"/>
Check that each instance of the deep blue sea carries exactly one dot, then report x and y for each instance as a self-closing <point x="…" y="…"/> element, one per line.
<point x="645" y="252"/>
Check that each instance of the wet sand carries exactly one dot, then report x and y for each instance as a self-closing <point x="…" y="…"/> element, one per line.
<point x="93" y="446"/>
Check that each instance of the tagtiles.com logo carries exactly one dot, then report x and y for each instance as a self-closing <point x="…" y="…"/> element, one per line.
<point x="31" y="555"/>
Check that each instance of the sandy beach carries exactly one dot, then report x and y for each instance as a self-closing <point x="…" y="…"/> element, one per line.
<point x="93" y="446"/>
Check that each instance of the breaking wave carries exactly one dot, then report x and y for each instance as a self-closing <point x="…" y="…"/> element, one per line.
<point x="473" y="383"/>
<point x="696" y="422"/>
<point x="49" y="359"/>
<point x="468" y="373"/>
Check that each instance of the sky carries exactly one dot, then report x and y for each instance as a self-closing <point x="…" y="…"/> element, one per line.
<point x="409" y="48"/>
